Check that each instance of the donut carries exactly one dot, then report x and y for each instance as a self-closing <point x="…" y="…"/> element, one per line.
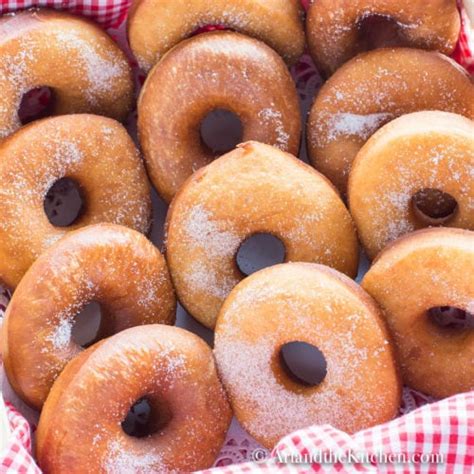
<point x="112" y="265"/>
<point x="155" y="26"/>
<point x="423" y="152"/>
<point x="215" y="70"/>
<point x="319" y="306"/>
<point x="84" y="68"/>
<point x="422" y="271"/>
<point x="373" y="89"/>
<point x="254" y="189"/>
<point x="172" y="369"/>
<point x="335" y="28"/>
<point x="97" y="153"/>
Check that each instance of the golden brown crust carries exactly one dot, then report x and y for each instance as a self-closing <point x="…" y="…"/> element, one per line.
<point x="424" y="270"/>
<point x="86" y="70"/>
<point x="317" y="305"/>
<point x="97" y="153"/>
<point x="332" y="27"/>
<point x="155" y="26"/>
<point x="170" y="367"/>
<point x="373" y="89"/>
<point x="112" y="265"/>
<point x="216" y="70"/>
<point x="423" y="150"/>
<point x="254" y="189"/>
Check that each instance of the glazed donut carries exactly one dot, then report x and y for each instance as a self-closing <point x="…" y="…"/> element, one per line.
<point x="333" y="28"/>
<point x="373" y="89"/>
<point x="112" y="265"/>
<point x="155" y="26"/>
<point x="254" y="189"/>
<point x="94" y="151"/>
<point x="415" y="153"/>
<point x="85" y="69"/>
<point x="215" y="70"/>
<point x="170" y="367"/>
<point x="319" y="306"/>
<point x="424" y="270"/>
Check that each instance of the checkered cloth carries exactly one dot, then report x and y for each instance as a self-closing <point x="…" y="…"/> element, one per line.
<point x="464" y="53"/>
<point x="445" y="427"/>
<point x="17" y="458"/>
<point x="436" y="438"/>
<point x="107" y="13"/>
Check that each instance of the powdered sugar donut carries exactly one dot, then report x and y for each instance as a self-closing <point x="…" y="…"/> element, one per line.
<point x="373" y="89"/>
<point x="333" y="28"/>
<point x="112" y="265"/>
<point x="421" y="272"/>
<point x="216" y="70"/>
<point x="319" y="306"/>
<point x="155" y="26"/>
<point x="421" y="154"/>
<point x="85" y="69"/>
<point x="97" y="153"/>
<point x="172" y="369"/>
<point x="253" y="189"/>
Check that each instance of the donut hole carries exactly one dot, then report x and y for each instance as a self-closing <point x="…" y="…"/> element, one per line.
<point x="221" y="131"/>
<point x="434" y="207"/>
<point x="86" y="325"/>
<point x="379" y="31"/>
<point x="451" y="318"/>
<point x="259" y="251"/>
<point x="303" y="363"/>
<point x="64" y="203"/>
<point x="35" y="104"/>
<point x="145" y="418"/>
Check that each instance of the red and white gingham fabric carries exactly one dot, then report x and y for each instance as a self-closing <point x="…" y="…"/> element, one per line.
<point x="445" y="427"/>
<point x="107" y="13"/>
<point x="464" y="53"/>
<point x="442" y="432"/>
<point x="17" y="457"/>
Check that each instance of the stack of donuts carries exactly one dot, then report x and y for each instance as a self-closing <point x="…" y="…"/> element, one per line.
<point x="390" y="140"/>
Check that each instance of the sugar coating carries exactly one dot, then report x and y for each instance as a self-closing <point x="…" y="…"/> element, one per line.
<point x="262" y="403"/>
<point x="120" y="460"/>
<point x="340" y="27"/>
<point x="67" y="153"/>
<point x="362" y="126"/>
<point x="274" y="116"/>
<point x="241" y="17"/>
<point x="157" y="362"/>
<point x="204" y="234"/>
<point x="95" y="66"/>
<point x="101" y="65"/>
<point x="388" y="203"/>
<point x="352" y="106"/>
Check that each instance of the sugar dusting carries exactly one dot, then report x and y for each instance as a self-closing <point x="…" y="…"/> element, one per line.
<point x="362" y="126"/>
<point x="271" y="409"/>
<point x="204" y="232"/>
<point x="235" y="16"/>
<point x="66" y="152"/>
<point x="120" y="460"/>
<point x="350" y="108"/>
<point x="209" y="237"/>
<point x="95" y="61"/>
<point x="271" y="115"/>
<point x="100" y="65"/>
<point x="388" y="203"/>
<point x="61" y="336"/>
